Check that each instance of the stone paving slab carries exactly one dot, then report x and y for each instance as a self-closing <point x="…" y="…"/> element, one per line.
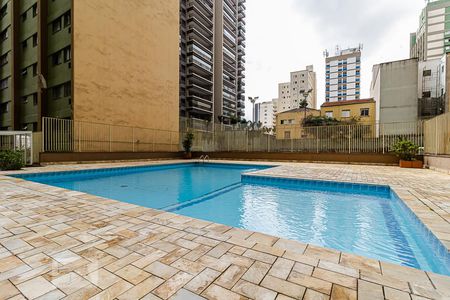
<point x="60" y="244"/>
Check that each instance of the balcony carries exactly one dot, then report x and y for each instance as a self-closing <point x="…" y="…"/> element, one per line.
<point x="194" y="35"/>
<point x="194" y="89"/>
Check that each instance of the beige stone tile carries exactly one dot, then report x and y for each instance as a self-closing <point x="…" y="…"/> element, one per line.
<point x="132" y="274"/>
<point x="142" y="289"/>
<point x="316" y="284"/>
<point x="220" y="250"/>
<point x="65" y="257"/>
<point x="53" y="295"/>
<point x="161" y="270"/>
<point x="338" y="268"/>
<point x="289" y="245"/>
<point x="113" y="291"/>
<point x="262" y="238"/>
<point x="313" y="295"/>
<point x="200" y="282"/>
<point x="172" y="285"/>
<point x="102" y="278"/>
<point x="253" y="291"/>
<point x="237" y="260"/>
<point x="214" y="263"/>
<point x="238" y="250"/>
<point x="393" y="294"/>
<point x="7" y="290"/>
<point x="269" y="249"/>
<point x="263" y="257"/>
<point x="358" y="262"/>
<point x="70" y="283"/>
<point x="9" y="263"/>
<point x="369" y="291"/>
<point x="322" y="253"/>
<point x="303" y="269"/>
<point x="336" y="278"/>
<point x="117" y="264"/>
<point x="441" y="282"/>
<point x="406" y="274"/>
<point x="117" y="251"/>
<point x="385" y="280"/>
<point x="256" y="272"/>
<point x="215" y="292"/>
<point x="188" y="266"/>
<point x="281" y="268"/>
<point x="186" y="295"/>
<point x="282" y="286"/>
<point x="229" y="278"/>
<point x="343" y="293"/>
<point x="35" y="287"/>
<point x="301" y="258"/>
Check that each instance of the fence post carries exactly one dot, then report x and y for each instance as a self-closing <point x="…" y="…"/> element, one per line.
<point x="110" y="146"/>
<point x="247" y="139"/>
<point x="437" y="135"/>
<point x="349" y="139"/>
<point x="268" y="142"/>
<point x="292" y="145"/>
<point x="317" y="139"/>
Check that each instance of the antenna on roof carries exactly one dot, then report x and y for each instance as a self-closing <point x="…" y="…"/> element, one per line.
<point x="326" y="53"/>
<point x="338" y="50"/>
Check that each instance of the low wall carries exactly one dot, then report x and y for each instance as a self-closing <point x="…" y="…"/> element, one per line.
<point x="439" y="163"/>
<point x="48" y="157"/>
<point x="363" y="158"/>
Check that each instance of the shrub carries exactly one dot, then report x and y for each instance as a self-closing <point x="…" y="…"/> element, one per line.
<point x="11" y="160"/>
<point x="405" y="149"/>
<point x="188" y="141"/>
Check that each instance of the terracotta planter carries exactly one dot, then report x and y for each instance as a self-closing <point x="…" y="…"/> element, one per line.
<point x="188" y="155"/>
<point x="416" y="164"/>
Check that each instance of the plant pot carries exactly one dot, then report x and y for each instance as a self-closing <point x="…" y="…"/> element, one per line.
<point x="416" y="164"/>
<point x="188" y="155"/>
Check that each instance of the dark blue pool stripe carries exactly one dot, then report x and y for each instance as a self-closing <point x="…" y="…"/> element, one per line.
<point x="403" y="249"/>
<point x="209" y="196"/>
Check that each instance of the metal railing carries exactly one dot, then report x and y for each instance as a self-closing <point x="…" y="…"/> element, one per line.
<point x="61" y="135"/>
<point x="437" y="135"/>
<point x="376" y="138"/>
<point x="18" y="141"/>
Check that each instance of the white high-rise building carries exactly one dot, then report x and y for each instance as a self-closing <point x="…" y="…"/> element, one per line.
<point x="265" y="113"/>
<point x="343" y="75"/>
<point x="431" y="40"/>
<point x="291" y="93"/>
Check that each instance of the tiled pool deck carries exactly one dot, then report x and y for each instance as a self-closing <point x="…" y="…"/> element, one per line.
<point x="56" y="243"/>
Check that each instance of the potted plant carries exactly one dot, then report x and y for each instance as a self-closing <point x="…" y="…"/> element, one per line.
<point x="187" y="145"/>
<point x="407" y="151"/>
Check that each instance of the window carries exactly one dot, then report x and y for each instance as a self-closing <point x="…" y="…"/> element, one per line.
<point x="24" y="72"/>
<point x="4" y="107"/>
<point x="57" y="92"/>
<point x="329" y="114"/>
<point x="35" y="10"/>
<point x="4" y="59"/>
<point x="4" y="11"/>
<point x="25" y="99"/>
<point x="426" y="94"/>
<point x="35" y="99"/>
<point x="25" y="44"/>
<point x="67" y="19"/>
<point x="426" y="73"/>
<point x="34" y="70"/>
<point x="57" y="25"/>
<point x="35" y="40"/>
<point x="4" y="35"/>
<point x="24" y="16"/>
<point x="57" y="58"/>
<point x="67" y="89"/>
<point x="364" y="112"/>
<point x="4" y="83"/>
<point x="287" y="134"/>
<point x="67" y="54"/>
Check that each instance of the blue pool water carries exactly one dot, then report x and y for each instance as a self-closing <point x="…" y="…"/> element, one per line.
<point x="361" y="219"/>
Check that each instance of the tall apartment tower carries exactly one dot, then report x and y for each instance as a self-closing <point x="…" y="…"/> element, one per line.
<point x="432" y="38"/>
<point x="290" y="94"/>
<point x="343" y="75"/>
<point x="212" y="63"/>
<point x="114" y="62"/>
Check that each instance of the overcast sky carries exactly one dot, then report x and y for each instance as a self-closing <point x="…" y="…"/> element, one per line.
<point x="286" y="35"/>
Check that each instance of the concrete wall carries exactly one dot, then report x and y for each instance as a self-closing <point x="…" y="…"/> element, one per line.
<point x="126" y="64"/>
<point x="394" y="88"/>
<point x="440" y="163"/>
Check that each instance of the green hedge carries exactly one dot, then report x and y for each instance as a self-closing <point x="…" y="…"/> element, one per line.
<point x="11" y="160"/>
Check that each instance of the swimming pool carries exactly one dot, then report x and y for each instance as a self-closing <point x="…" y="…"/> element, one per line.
<point x="367" y="220"/>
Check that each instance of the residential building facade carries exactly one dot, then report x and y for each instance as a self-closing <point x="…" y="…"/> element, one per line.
<point x="265" y="114"/>
<point x="291" y="94"/>
<point x="117" y="76"/>
<point x="432" y="38"/>
<point x="212" y="59"/>
<point x="394" y="88"/>
<point x="289" y="123"/>
<point x="432" y="87"/>
<point x="362" y="111"/>
<point x="343" y="75"/>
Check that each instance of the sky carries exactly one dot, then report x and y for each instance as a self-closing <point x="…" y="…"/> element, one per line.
<point x="287" y="35"/>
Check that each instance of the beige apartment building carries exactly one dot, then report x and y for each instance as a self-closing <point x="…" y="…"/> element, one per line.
<point x="103" y="61"/>
<point x="289" y="123"/>
<point x="291" y="93"/>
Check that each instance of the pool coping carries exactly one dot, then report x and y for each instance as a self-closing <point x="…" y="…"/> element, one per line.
<point x="403" y="193"/>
